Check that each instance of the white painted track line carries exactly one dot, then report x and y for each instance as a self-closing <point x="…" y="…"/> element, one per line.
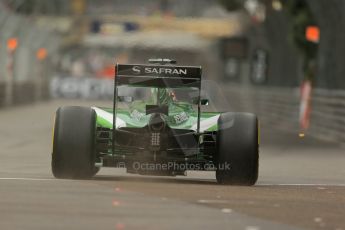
<point x="27" y="179"/>
<point x="305" y="185"/>
<point x="257" y="185"/>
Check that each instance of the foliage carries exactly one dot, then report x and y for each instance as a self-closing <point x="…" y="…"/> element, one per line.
<point x="232" y="5"/>
<point x="301" y="17"/>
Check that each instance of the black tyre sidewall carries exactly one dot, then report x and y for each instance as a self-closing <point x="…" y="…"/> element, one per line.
<point x="74" y="143"/>
<point x="238" y="146"/>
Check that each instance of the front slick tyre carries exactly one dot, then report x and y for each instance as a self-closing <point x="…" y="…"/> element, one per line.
<point x="237" y="146"/>
<point x="74" y="143"/>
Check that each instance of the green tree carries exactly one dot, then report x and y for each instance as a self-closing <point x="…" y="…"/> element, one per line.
<point x="232" y="5"/>
<point x="301" y="17"/>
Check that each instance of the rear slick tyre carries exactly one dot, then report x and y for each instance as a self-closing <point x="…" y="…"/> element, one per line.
<point x="237" y="146"/>
<point x="74" y="153"/>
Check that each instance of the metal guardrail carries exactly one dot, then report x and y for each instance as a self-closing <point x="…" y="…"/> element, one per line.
<point x="328" y="115"/>
<point x="2" y="94"/>
<point x="279" y="108"/>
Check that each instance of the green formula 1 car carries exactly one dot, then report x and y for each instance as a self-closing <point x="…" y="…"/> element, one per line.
<point x="156" y="127"/>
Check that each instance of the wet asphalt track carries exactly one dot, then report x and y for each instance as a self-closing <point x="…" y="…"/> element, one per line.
<point x="301" y="186"/>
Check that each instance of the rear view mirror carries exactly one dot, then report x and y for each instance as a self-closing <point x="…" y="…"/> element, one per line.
<point x="126" y="99"/>
<point x="204" y="101"/>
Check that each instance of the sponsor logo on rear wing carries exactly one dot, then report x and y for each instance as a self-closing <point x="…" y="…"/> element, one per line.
<point x="166" y="71"/>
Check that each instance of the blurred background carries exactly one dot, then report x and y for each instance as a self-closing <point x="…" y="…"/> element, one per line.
<point x="280" y="59"/>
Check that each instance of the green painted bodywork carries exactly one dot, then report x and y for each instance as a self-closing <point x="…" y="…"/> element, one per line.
<point x="181" y="116"/>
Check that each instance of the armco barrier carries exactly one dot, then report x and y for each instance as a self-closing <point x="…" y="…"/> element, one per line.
<point x="24" y="93"/>
<point x="2" y="94"/>
<point x="279" y="108"/>
<point x="328" y="115"/>
<point x="275" y="107"/>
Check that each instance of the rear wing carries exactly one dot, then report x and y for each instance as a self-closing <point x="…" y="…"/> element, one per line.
<point x="160" y="76"/>
<point x="156" y="76"/>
